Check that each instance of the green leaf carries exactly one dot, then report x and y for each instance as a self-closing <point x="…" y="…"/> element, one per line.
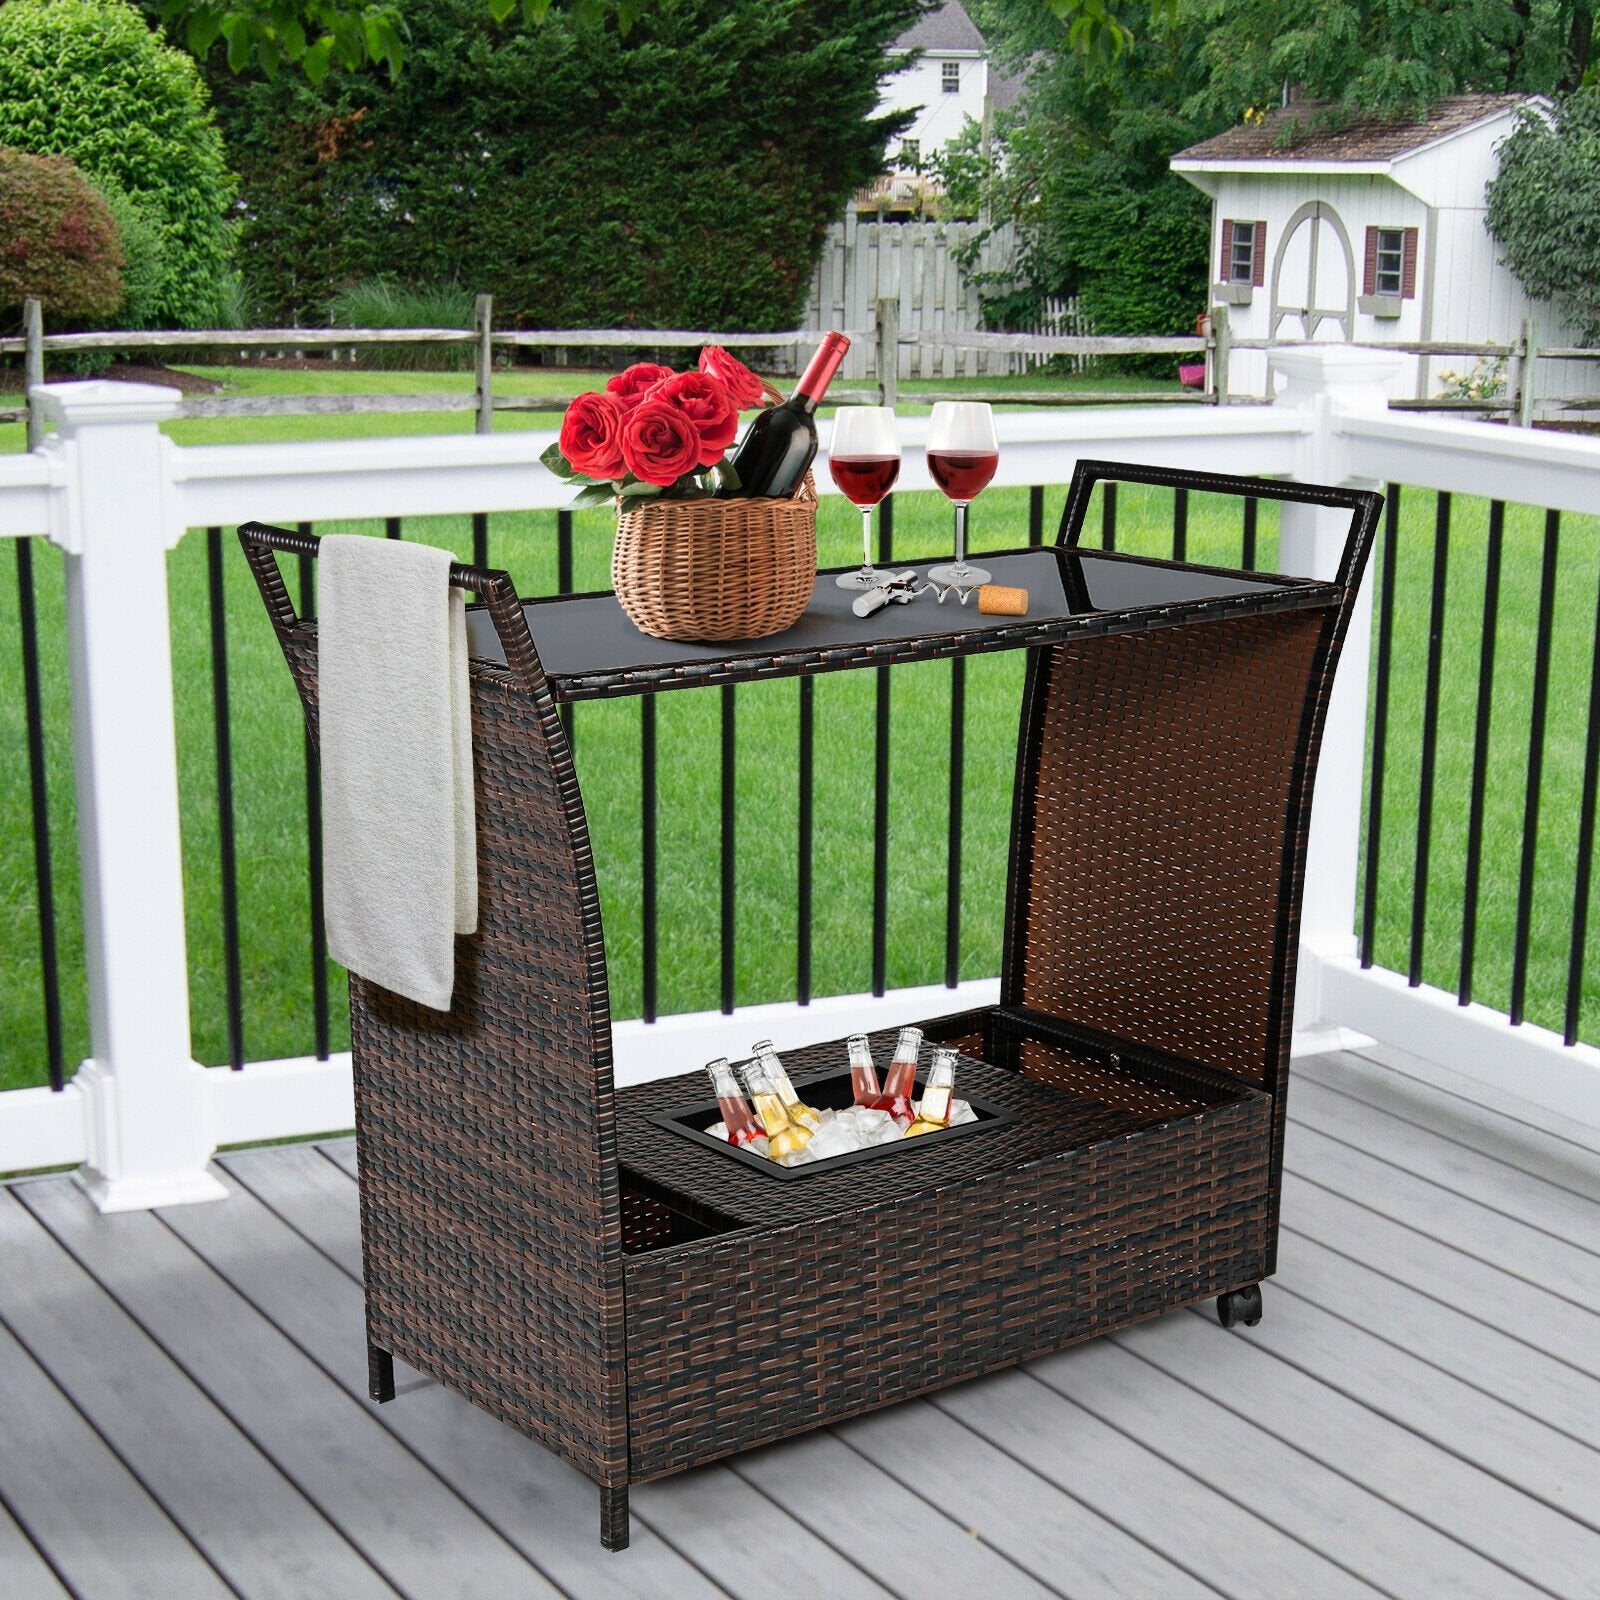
<point x="594" y="494"/>
<point x="558" y="463"/>
<point x="639" y="491"/>
<point x="317" y="59"/>
<point x="202" y="30"/>
<point x="501" y="9"/>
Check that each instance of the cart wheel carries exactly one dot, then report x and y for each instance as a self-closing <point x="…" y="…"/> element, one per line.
<point x="1240" y="1306"/>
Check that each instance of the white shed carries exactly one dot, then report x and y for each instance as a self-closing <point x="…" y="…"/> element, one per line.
<point x="944" y="86"/>
<point x="1371" y="232"/>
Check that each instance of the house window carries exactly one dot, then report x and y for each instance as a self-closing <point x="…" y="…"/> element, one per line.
<point x="1391" y="265"/>
<point x="950" y="77"/>
<point x="911" y="154"/>
<point x="1244" y="249"/>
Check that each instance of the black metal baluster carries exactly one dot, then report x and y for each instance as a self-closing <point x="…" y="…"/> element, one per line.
<point x="39" y="801"/>
<point x="319" y="929"/>
<point x="1480" y="750"/>
<point x="1036" y="514"/>
<point x="880" y="838"/>
<point x="1430" y="739"/>
<point x="1108" y="516"/>
<point x="647" y="853"/>
<point x="391" y="527"/>
<point x="952" y="867"/>
<point x="1380" y="722"/>
<point x="729" y="796"/>
<point x="1584" y="866"/>
<point x="808" y="739"/>
<point x="223" y="733"/>
<point x="480" y="538"/>
<point x="1536" y="720"/>
<point x="569" y="712"/>
<point x="1180" y="525"/>
<point x="1247" y="559"/>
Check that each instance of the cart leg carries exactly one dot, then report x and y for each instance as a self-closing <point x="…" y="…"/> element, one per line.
<point x="380" y="1374"/>
<point x="614" y="1517"/>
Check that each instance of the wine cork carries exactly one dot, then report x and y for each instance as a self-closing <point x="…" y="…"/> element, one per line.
<point x="996" y="600"/>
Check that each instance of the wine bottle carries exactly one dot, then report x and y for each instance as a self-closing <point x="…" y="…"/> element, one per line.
<point x="780" y="443"/>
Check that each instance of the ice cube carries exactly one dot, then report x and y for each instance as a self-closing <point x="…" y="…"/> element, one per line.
<point x="877" y="1127"/>
<point x="718" y="1130"/>
<point x="758" y="1146"/>
<point x="961" y="1112"/>
<point x="798" y="1158"/>
<point x="836" y="1137"/>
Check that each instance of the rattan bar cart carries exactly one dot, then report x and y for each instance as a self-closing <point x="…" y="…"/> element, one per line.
<point x="545" y="1245"/>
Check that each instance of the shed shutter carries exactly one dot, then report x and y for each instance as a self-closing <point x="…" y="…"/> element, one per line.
<point x="1408" y="268"/>
<point x="1258" y="264"/>
<point x="1227" y="250"/>
<point x="1369" y="274"/>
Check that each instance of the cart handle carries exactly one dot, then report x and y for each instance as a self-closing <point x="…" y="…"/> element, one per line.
<point x="492" y="585"/>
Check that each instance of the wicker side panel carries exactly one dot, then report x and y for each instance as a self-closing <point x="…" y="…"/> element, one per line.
<point x="766" y="1333"/>
<point x="1152" y="855"/>
<point x="490" y="1217"/>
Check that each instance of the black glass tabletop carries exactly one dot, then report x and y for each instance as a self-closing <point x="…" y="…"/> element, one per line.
<point x="591" y="650"/>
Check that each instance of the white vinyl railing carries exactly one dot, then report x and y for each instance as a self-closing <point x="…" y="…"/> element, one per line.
<point x="140" y="1118"/>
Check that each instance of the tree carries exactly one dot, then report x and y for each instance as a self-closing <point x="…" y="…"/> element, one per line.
<point x="61" y="244"/>
<point x="319" y="35"/>
<point x="682" y="177"/>
<point x="89" y="80"/>
<point x="1544" y="206"/>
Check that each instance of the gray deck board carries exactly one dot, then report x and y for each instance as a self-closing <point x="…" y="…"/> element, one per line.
<point x="1329" y="1511"/>
<point x="1529" y="1313"/>
<point x="103" y="1530"/>
<point x="1528" y="1149"/>
<point x="185" y="1411"/>
<point x="1452" y="1165"/>
<point x="1517" y="1247"/>
<point x="427" y="1543"/>
<point x="1217" y="1541"/>
<point x="253" y="1526"/>
<point x="1008" y="1498"/>
<point x="1446" y="1338"/>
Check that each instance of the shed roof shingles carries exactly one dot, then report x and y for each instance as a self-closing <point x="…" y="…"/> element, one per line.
<point x="944" y="29"/>
<point x="1368" y="139"/>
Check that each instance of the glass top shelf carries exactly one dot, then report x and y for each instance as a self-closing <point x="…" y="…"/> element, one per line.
<point x="590" y="650"/>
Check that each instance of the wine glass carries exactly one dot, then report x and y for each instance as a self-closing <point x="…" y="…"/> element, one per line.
<point x="962" y="456"/>
<point x="864" y="459"/>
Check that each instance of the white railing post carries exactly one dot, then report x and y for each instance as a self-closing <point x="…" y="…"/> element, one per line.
<point x="1325" y="385"/>
<point x="146" y="1101"/>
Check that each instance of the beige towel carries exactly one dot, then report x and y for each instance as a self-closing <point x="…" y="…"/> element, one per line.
<point x="400" y="844"/>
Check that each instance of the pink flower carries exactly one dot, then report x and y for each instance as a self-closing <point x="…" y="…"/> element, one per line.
<point x="659" y="443"/>
<point x="630" y="387"/>
<point x="742" y="384"/>
<point x="708" y="405"/>
<point x="591" y="436"/>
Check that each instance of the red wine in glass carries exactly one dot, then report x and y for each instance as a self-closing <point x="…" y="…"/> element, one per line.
<point x="962" y="474"/>
<point x="962" y="456"/>
<point x="865" y="480"/>
<point x="864" y="458"/>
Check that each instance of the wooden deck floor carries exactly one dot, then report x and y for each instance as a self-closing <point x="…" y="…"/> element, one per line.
<point x="183" y="1412"/>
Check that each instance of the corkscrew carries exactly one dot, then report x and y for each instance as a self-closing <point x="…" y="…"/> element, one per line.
<point x="900" y="587"/>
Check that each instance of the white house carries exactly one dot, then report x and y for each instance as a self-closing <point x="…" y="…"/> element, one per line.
<point x="1372" y="232"/>
<point x="944" y="85"/>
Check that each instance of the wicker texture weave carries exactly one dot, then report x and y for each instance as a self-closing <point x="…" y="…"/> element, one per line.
<point x="716" y="569"/>
<point x="640" y="1304"/>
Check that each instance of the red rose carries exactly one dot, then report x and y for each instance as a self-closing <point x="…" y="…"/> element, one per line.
<point x="742" y="384"/>
<point x="591" y="436"/>
<point x="708" y="405"/>
<point x="659" y="443"/>
<point x="630" y="387"/>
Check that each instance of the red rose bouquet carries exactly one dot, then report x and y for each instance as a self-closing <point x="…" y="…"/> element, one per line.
<point x="653" y="432"/>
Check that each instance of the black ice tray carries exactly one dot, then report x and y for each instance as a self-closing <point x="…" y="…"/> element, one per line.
<point x="692" y="1119"/>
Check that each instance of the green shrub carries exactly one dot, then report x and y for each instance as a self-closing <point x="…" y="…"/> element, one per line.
<point x="87" y="79"/>
<point x="144" y="254"/>
<point x="383" y="303"/>
<point x="681" y="177"/>
<point x="58" y="241"/>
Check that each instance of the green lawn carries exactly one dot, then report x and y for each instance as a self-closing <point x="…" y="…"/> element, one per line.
<point x="270" y="786"/>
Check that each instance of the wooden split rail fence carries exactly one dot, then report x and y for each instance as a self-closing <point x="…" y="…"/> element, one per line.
<point x="1213" y="348"/>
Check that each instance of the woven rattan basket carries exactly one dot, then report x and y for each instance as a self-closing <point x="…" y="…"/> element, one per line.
<point x="717" y="569"/>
